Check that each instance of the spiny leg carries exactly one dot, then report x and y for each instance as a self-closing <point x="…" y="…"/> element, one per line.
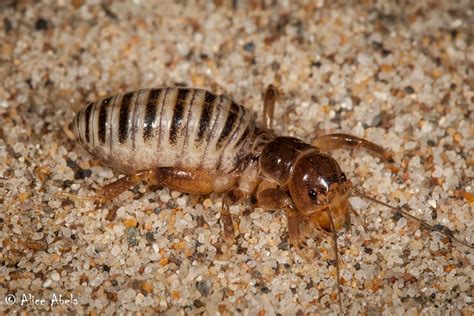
<point x="232" y="197"/>
<point x="269" y="101"/>
<point x="338" y="140"/>
<point x="114" y="189"/>
<point x="181" y="179"/>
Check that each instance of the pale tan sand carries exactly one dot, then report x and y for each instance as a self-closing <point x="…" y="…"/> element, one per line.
<point x="399" y="75"/>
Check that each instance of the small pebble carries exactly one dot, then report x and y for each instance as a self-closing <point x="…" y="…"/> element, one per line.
<point x="207" y="203"/>
<point x="165" y="198"/>
<point x="41" y="24"/>
<point x="409" y="90"/>
<point x="82" y="174"/>
<point x="115" y="251"/>
<point x="203" y="287"/>
<point x="150" y="237"/>
<point x="47" y="283"/>
<point x="55" y="276"/>
<point x="249" y="47"/>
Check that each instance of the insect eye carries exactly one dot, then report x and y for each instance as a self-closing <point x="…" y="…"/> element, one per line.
<point x="313" y="195"/>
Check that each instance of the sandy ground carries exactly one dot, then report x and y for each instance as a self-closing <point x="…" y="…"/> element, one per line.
<point x="398" y="74"/>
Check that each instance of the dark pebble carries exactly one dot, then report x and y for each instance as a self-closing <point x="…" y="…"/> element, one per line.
<point x="357" y="266"/>
<point x="41" y="24"/>
<point x="249" y="47"/>
<point x="377" y="45"/>
<point x="198" y="304"/>
<point x="7" y="25"/>
<point x="396" y="217"/>
<point x="109" y="12"/>
<point x="150" y="237"/>
<point x="157" y="210"/>
<point x="82" y="174"/>
<point x="132" y="237"/>
<point x="316" y="64"/>
<point x="106" y="268"/>
<point x="431" y="143"/>
<point x="283" y="245"/>
<point x="368" y="250"/>
<point x="256" y="274"/>
<point x="265" y="289"/>
<point x="377" y="120"/>
<point x="385" y="52"/>
<point x="71" y="163"/>
<point x="200" y="221"/>
<point x="409" y="90"/>
<point x="203" y="287"/>
<point x="67" y="183"/>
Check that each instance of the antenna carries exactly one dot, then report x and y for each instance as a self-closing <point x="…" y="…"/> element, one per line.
<point x="336" y="250"/>
<point x="398" y="210"/>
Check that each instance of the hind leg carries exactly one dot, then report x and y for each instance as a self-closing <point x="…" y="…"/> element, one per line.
<point x="232" y="197"/>
<point x="113" y="189"/>
<point x="180" y="179"/>
<point x="339" y="140"/>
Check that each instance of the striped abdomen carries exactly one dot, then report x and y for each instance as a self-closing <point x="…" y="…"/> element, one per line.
<point x="166" y="127"/>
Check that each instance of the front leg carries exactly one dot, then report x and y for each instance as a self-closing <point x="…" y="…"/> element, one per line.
<point x="270" y="197"/>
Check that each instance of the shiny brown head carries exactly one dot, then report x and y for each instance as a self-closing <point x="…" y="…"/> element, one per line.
<point x="317" y="186"/>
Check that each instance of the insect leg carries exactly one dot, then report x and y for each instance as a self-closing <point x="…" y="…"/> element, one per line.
<point x="269" y="101"/>
<point x="335" y="141"/>
<point x="232" y="197"/>
<point x="294" y="233"/>
<point x="201" y="182"/>
<point x="272" y="198"/>
<point x="112" y="190"/>
<point x="193" y="181"/>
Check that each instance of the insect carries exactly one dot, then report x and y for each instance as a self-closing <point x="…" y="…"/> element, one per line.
<point x="197" y="142"/>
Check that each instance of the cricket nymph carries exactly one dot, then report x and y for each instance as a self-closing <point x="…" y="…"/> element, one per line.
<point x="197" y="142"/>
